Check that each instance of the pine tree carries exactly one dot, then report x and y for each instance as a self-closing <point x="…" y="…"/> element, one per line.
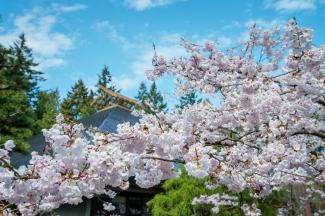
<point x="78" y="103"/>
<point x="46" y="109"/>
<point x="178" y="194"/>
<point x="103" y="99"/>
<point x="142" y="94"/>
<point x="188" y="99"/>
<point x="156" y="99"/>
<point x="151" y="101"/>
<point x="86" y="108"/>
<point x="67" y="107"/>
<point x="19" y="86"/>
<point x="27" y="77"/>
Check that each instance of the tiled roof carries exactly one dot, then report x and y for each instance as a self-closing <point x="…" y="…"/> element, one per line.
<point x="106" y="120"/>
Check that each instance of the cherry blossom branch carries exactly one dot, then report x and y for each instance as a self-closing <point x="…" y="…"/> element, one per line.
<point x="314" y="133"/>
<point x="255" y="128"/>
<point x="163" y="159"/>
<point x="10" y="167"/>
<point x="283" y="74"/>
<point x="322" y="102"/>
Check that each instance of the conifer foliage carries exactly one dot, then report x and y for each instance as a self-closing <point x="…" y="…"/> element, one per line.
<point x="151" y="101"/>
<point x="102" y="98"/>
<point x="46" y="109"/>
<point x="19" y="87"/>
<point x="142" y="94"/>
<point x="178" y="195"/>
<point x="189" y="98"/>
<point x="78" y="102"/>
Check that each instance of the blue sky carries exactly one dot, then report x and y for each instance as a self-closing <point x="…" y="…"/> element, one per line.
<point x="76" y="38"/>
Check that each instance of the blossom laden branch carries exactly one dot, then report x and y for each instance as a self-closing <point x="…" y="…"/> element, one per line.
<point x="262" y="137"/>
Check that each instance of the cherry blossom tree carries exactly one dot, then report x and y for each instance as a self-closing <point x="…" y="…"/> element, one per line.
<point x="267" y="133"/>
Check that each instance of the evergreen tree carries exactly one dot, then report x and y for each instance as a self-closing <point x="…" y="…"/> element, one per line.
<point x="46" y="109"/>
<point x="78" y="103"/>
<point x="156" y="99"/>
<point x="178" y="194"/>
<point x="86" y="108"/>
<point x="19" y="87"/>
<point x="142" y="94"/>
<point x="176" y="198"/>
<point x="151" y="101"/>
<point x="67" y="107"/>
<point x="27" y="77"/>
<point x="103" y="99"/>
<point x="188" y="99"/>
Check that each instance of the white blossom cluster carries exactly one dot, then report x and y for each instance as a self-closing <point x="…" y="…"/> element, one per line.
<point x="217" y="200"/>
<point x="268" y="132"/>
<point x="251" y="210"/>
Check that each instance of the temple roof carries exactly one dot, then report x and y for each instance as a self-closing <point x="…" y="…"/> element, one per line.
<point x="109" y="118"/>
<point x="105" y="120"/>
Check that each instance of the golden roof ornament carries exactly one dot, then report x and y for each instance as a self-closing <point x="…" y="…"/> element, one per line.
<point x="117" y="100"/>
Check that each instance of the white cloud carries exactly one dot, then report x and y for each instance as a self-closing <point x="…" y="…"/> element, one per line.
<point x="291" y="5"/>
<point x="113" y="34"/>
<point x="224" y="41"/>
<point x="167" y="44"/>
<point x="232" y="25"/>
<point x="101" y="25"/>
<point x="48" y="45"/>
<point x="89" y="80"/>
<point x="139" y="48"/>
<point x="170" y="38"/>
<point x="260" y="23"/>
<point x="49" y="62"/>
<point x="69" y="8"/>
<point x="143" y="62"/>
<point x="141" y="5"/>
<point x="264" y="23"/>
<point x="136" y="74"/>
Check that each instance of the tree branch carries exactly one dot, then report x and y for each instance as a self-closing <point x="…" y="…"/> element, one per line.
<point x="163" y="159"/>
<point x="10" y="167"/>
<point x="314" y="133"/>
<point x="322" y="102"/>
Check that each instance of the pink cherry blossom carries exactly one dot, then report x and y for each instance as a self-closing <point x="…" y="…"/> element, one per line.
<point x="267" y="133"/>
